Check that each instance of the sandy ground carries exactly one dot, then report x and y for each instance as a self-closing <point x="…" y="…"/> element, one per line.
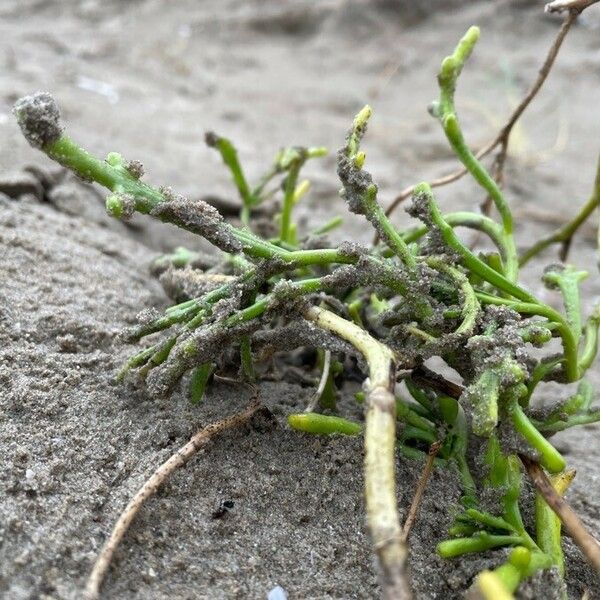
<point x="147" y="78"/>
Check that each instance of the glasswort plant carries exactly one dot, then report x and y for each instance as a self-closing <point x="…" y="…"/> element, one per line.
<point x="415" y="294"/>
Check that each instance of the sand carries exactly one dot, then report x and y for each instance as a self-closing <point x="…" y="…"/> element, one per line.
<point x="147" y="78"/>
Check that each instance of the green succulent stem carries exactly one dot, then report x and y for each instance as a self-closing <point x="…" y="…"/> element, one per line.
<point x="413" y="418"/>
<point x="139" y="359"/>
<point x="390" y="233"/>
<point x="445" y="111"/>
<point x="572" y="369"/>
<point x="416" y="408"/>
<point x="472" y="262"/>
<point x="370" y="207"/>
<point x="323" y="424"/>
<point x="505" y="475"/>
<point x="479" y="542"/>
<point x="522" y="563"/>
<point x="246" y="359"/>
<point x="117" y="179"/>
<point x="198" y="382"/>
<point x="590" y="344"/>
<point x="567" y="280"/>
<point x="565" y="234"/>
<point x="489" y="520"/>
<point x="330" y="225"/>
<point x="542" y="370"/>
<point x="575" y="411"/>
<point x="478" y="222"/>
<point x="550" y="458"/>
<point x="180" y="257"/>
<point x="286" y="232"/>
<point x="470" y="308"/>
<point x="229" y="155"/>
<point x="454" y="415"/>
<point x="572" y="421"/>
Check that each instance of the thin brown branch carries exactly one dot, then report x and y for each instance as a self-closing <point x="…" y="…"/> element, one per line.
<point x="198" y="441"/>
<point x="571" y="5"/>
<point x="503" y="136"/>
<point x="504" y="133"/>
<point x="541" y="78"/>
<point x="440" y="181"/>
<point x="420" y="490"/>
<point x="571" y="522"/>
<point x="502" y="139"/>
<point x="314" y="401"/>
<point x="427" y="378"/>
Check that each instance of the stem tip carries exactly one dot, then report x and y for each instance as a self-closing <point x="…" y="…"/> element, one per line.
<point x="38" y="116"/>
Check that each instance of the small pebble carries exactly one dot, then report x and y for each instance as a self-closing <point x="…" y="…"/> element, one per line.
<point x="277" y="593"/>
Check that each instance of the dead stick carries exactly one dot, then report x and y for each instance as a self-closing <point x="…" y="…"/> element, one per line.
<point x="574" y="5"/>
<point x="504" y="133"/>
<point x="503" y="136"/>
<point x="586" y="542"/>
<point x="423" y="376"/>
<point x="314" y="401"/>
<point x="151" y="486"/>
<point x="543" y="73"/>
<point x="420" y="490"/>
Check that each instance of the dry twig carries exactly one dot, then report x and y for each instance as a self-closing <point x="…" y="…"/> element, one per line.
<point x="572" y="5"/>
<point x="198" y="441"/>
<point x="586" y="542"/>
<point x="432" y="380"/>
<point x="312" y="405"/>
<point x="503" y="135"/>
<point x="420" y="489"/>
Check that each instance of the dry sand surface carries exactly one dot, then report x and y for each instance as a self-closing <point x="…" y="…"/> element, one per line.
<point x="147" y="78"/>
